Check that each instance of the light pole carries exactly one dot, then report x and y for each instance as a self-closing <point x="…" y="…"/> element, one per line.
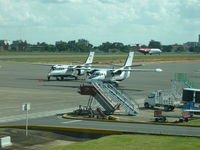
<point x="26" y="107"/>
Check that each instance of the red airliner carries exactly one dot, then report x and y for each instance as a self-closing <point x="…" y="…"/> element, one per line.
<point x="148" y="50"/>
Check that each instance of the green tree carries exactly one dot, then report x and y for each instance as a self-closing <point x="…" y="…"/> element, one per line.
<point x="180" y="49"/>
<point x="154" y="44"/>
<point x="71" y="45"/>
<point x="166" y="48"/>
<point x="19" y="45"/>
<point x="144" y="46"/>
<point x="83" y="45"/>
<point x="61" y="46"/>
<point x="105" y="46"/>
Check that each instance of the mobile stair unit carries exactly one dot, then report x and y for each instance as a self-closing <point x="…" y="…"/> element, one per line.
<point x="109" y="97"/>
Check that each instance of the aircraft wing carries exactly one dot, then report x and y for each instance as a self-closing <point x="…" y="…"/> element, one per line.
<point x="137" y="65"/>
<point x="56" y="65"/>
<point x="43" y="64"/>
<point x="144" y="70"/>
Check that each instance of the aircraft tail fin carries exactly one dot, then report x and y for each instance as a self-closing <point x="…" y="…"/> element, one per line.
<point x="138" y="46"/>
<point x="90" y="58"/>
<point x="129" y="59"/>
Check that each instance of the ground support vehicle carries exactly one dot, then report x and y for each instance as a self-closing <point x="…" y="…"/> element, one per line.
<point x="161" y="98"/>
<point x="191" y="98"/>
<point x="159" y="117"/>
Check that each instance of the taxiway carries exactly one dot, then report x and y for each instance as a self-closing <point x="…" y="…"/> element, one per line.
<point x="27" y="83"/>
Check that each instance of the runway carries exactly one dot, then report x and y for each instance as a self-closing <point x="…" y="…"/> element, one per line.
<point x="26" y="83"/>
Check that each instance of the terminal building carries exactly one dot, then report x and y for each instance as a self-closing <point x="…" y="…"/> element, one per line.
<point x="193" y="44"/>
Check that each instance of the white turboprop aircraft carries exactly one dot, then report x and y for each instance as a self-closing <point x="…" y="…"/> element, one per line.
<point x="70" y="70"/>
<point x="116" y="75"/>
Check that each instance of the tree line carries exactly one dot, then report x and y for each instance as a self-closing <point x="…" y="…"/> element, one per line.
<point x="83" y="45"/>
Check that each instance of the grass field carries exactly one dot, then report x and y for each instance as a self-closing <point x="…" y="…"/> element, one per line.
<point x="136" y="142"/>
<point x="99" y="57"/>
<point x="63" y="59"/>
<point x="192" y="122"/>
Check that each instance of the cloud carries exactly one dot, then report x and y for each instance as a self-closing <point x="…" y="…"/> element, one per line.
<point x="60" y="1"/>
<point x="101" y="20"/>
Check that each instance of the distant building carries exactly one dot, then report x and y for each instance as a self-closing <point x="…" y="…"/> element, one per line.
<point x="199" y="39"/>
<point x="179" y="48"/>
<point x="192" y="44"/>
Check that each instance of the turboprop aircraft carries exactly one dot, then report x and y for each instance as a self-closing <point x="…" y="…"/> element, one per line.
<point x="63" y="71"/>
<point x="148" y="50"/>
<point x="116" y="75"/>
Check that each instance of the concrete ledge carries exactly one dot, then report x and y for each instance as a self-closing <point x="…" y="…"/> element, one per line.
<point x="119" y="121"/>
<point x="83" y="130"/>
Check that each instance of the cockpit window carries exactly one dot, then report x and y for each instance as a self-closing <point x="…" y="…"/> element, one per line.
<point x="95" y="74"/>
<point x="152" y="95"/>
<point x="59" y="68"/>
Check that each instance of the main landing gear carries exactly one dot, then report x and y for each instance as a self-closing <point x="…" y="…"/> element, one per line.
<point x="61" y="78"/>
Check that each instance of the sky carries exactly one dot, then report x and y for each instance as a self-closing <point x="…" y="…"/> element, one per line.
<point x="98" y="21"/>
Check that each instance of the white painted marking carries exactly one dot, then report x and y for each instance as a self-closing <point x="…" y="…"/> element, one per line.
<point x="72" y="121"/>
<point x="35" y="115"/>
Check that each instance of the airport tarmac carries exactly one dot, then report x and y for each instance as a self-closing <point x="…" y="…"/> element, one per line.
<point x="27" y="83"/>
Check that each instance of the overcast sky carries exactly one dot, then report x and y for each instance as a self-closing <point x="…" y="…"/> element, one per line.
<point x="127" y="21"/>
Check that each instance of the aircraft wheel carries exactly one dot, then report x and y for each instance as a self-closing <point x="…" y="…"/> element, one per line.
<point x="115" y="84"/>
<point x="167" y="108"/>
<point x="146" y="105"/>
<point x="57" y="78"/>
<point x="171" y="108"/>
<point x="62" y="78"/>
<point x="152" y="107"/>
<point x="76" y="78"/>
<point x="48" y="78"/>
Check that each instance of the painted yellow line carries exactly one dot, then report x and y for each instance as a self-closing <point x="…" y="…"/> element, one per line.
<point x="83" y="130"/>
<point x="95" y="131"/>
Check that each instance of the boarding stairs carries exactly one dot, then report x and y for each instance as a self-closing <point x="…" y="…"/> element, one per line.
<point x="180" y="82"/>
<point x="117" y="96"/>
<point x="109" y="97"/>
<point x="101" y="98"/>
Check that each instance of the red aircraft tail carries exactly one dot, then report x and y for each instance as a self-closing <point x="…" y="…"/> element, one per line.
<point x="138" y="46"/>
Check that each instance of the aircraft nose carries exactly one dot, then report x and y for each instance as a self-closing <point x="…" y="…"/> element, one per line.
<point x="49" y="74"/>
